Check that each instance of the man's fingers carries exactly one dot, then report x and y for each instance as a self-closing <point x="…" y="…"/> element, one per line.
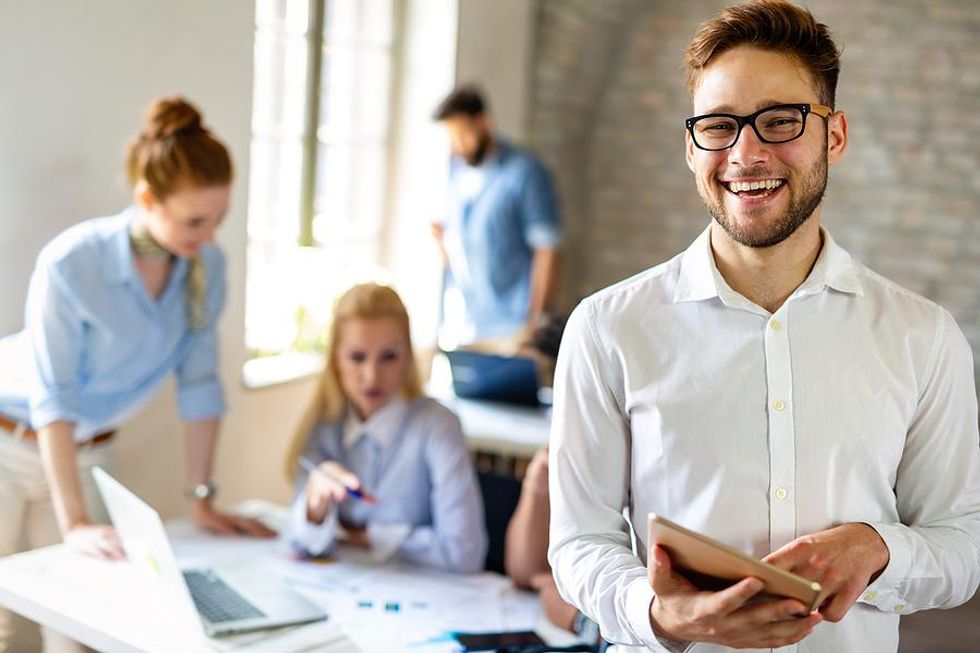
<point x="663" y="578"/>
<point x="659" y="569"/>
<point x="783" y="633"/>
<point x="776" y="610"/>
<point x="732" y="598"/>
<point x="837" y="605"/>
<point x="788" y="556"/>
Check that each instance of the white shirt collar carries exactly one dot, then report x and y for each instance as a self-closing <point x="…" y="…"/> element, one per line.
<point x="700" y="279"/>
<point x="381" y="427"/>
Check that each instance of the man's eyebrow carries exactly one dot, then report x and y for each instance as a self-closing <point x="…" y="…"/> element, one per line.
<point x="761" y="104"/>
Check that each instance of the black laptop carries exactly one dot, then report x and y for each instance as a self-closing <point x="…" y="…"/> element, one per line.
<point x="491" y="377"/>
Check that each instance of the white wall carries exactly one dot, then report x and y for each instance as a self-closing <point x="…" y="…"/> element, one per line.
<point x="75" y="83"/>
<point x="420" y="157"/>
<point x="494" y="50"/>
<point x="76" y="78"/>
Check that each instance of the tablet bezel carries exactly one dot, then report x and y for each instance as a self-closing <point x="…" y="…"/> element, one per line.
<point x="694" y="552"/>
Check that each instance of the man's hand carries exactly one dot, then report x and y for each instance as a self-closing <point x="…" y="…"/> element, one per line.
<point x="208" y="519"/>
<point x="844" y="560"/>
<point x="97" y="540"/>
<point x="680" y="611"/>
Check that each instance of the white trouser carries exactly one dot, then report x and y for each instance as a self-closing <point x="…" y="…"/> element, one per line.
<point x="27" y="518"/>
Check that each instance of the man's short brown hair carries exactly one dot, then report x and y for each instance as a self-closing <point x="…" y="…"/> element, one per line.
<point x="771" y="25"/>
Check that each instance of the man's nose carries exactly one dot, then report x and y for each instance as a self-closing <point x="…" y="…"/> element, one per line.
<point x="748" y="149"/>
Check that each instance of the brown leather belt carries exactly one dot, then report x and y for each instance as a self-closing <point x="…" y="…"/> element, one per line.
<point x="31" y="436"/>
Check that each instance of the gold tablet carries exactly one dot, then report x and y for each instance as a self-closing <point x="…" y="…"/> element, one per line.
<point x="711" y="564"/>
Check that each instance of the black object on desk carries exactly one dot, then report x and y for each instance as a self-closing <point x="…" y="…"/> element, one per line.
<point x="506" y="379"/>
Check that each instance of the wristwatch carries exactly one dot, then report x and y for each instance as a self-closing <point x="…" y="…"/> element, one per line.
<point x="586" y="629"/>
<point x="201" y="491"/>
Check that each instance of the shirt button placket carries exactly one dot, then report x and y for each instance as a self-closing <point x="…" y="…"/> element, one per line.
<point x="781" y="435"/>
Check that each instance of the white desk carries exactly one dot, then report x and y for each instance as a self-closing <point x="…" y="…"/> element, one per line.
<point x="105" y="604"/>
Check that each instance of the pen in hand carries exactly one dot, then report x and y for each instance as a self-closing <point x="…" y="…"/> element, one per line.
<point x="353" y="493"/>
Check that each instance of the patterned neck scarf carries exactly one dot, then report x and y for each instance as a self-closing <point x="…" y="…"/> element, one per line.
<point x="145" y="246"/>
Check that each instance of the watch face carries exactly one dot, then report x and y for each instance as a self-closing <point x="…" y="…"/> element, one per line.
<point x="202" y="490"/>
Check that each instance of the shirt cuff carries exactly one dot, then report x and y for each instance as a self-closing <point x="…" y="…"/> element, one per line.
<point x="201" y="400"/>
<point x="639" y="597"/>
<point x="540" y="236"/>
<point x="314" y="539"/>
<point x="884" y="593"/>
<point x="54" y="408"/>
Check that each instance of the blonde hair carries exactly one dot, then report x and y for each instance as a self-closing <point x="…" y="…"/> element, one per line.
<point x="366" y="301"/>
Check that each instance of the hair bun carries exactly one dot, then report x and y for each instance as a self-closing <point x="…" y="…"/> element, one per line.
<point x="171" y="116"/>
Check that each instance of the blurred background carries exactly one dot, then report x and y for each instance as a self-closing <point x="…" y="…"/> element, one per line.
<point x="326" y="105"/>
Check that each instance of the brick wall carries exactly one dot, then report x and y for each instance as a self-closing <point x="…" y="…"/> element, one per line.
<point x="608" y="113"/>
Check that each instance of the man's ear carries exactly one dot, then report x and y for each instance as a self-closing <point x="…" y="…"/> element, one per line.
<point x="689" y="150"/>
<point x="836" y="136"/>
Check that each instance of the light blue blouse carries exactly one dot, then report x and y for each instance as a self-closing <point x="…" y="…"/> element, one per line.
<point x="100" y="345"/>
<point x="418" y="466"/>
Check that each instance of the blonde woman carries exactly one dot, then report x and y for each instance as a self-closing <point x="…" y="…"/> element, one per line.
<point x="373" y="452"/>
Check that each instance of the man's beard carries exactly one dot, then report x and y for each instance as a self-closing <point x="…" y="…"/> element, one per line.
<point x="810" y="192"/>
<point x="476" y="157"/>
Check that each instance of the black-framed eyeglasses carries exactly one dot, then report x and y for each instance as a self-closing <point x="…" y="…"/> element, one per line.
<point x="780" y="123"/>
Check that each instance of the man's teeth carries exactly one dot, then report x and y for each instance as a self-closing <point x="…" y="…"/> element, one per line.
<point x="768" y="184"/>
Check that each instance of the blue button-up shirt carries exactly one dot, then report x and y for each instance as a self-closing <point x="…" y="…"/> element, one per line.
<point x="97" y="344"/>
<point x="491" y="235"/>
<point x="413" y="457"/>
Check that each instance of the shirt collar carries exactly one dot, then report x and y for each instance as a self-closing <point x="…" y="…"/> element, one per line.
<point x="380" y="427"/>
<point x="700" y="279"/>
<point x="833" y="268"/>
<point x="118" y="267"/>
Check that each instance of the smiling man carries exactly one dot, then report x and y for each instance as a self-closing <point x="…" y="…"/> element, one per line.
<point x="766" y="389"/>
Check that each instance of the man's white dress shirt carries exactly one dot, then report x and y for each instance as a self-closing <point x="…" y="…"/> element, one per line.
<point x="854" y="402"/>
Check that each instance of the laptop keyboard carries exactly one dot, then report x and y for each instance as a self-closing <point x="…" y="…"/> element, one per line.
<point x="216" y="601"/>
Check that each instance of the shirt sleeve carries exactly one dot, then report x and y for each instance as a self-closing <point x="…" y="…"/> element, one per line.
<point x="200" y="394"/>
<point x="935" y="550"/>
<point x="590" y="549"/>
<point x="303" y="535"/>
<point x="539" y="209"/>
<point x="457" y="539"/>
<point x="57" y="339"/>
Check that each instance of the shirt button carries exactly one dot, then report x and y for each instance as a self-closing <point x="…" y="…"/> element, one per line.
<point x="899" y="607"/>
<point x="774" y="324"/>
<point x="781" y="493"/>
<point x="870" y="596"/>
<point x="778" y="405"/>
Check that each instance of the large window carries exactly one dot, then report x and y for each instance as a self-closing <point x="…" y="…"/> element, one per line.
<point x="319" y="163"/>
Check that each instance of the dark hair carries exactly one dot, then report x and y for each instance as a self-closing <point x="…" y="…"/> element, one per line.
<point x="772" y="25"/>
<point x="174" y="147"/>
<point x="465" y="100"/>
